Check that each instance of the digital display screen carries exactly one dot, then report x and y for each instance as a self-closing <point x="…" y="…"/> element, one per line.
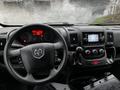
<point x="93" y="38"/>
<point x="38" y="32"/>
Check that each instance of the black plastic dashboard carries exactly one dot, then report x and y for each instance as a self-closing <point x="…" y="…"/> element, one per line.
<point x="88" y="46"/>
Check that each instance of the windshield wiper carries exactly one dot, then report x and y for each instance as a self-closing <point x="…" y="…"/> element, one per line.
<point x="104" y="24"/>
<point x="51" y="24"/>
<point x="59" y="24"/>
<point x="66" y="24"/>
<point x="6" y="25"/>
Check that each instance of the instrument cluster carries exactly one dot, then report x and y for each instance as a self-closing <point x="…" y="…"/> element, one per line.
<point x="34" y="36"/>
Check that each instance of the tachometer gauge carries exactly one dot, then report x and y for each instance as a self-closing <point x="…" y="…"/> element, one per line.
<point x="24" y="38"/>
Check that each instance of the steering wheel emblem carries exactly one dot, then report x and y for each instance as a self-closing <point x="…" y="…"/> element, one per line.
<point x="38" y="53"/>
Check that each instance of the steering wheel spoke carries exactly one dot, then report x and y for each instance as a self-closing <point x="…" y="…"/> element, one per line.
<point x="29" y="77"/>
<point x="53" y="72"/>
<point x="58" y="45"/>
<point x="13" y="53"/>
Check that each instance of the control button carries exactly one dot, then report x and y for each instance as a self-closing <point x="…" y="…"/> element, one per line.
<point x="88" y="52"/>
<point x="101" y="51"/>
<point x="94" y="51"/>
<point x="58" y="61"/>
<point x="95" y="62"/>
<point x="79" y="50"/>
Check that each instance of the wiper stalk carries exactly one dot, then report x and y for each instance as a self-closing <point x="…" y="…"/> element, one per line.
<point x="59" y="24"/>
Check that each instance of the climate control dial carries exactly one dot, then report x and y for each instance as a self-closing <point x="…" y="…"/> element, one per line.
<point x="101" y="51"/>
<point x="87" y="52"/>
<point x="95" y="51"/>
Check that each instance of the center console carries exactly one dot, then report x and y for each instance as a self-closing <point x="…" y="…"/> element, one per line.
<point x="93" y="53"/>
<point x="93" y="44"/>
<point x="94" y="48"/>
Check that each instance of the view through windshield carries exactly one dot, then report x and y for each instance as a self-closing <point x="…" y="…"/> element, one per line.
<point x="72" y="11"/>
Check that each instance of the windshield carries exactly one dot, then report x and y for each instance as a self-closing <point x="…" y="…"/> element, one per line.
<point x="72" y="11"/>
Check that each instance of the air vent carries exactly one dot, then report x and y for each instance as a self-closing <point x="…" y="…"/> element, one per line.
<point x="73" y="38"/>
<point x="110" y="38"/>
<point x="2" y="44"/>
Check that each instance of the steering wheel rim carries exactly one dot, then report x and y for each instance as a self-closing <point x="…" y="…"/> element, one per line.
<point x="29" y="79"/>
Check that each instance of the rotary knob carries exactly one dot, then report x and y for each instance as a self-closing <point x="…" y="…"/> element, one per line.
<point x="79" y="50"/>
<point x="88" y="52"/>
<point x="101" y="51"/>
<point x="94" y="51"/>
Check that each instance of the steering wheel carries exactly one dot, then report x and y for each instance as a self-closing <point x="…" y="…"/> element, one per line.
<point x="37" y="57"/>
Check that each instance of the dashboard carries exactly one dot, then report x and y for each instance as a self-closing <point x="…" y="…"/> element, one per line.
<point x="88" y="46"/>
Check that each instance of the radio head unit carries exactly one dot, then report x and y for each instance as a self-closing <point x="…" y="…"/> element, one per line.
<point x="93" y="38"/>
